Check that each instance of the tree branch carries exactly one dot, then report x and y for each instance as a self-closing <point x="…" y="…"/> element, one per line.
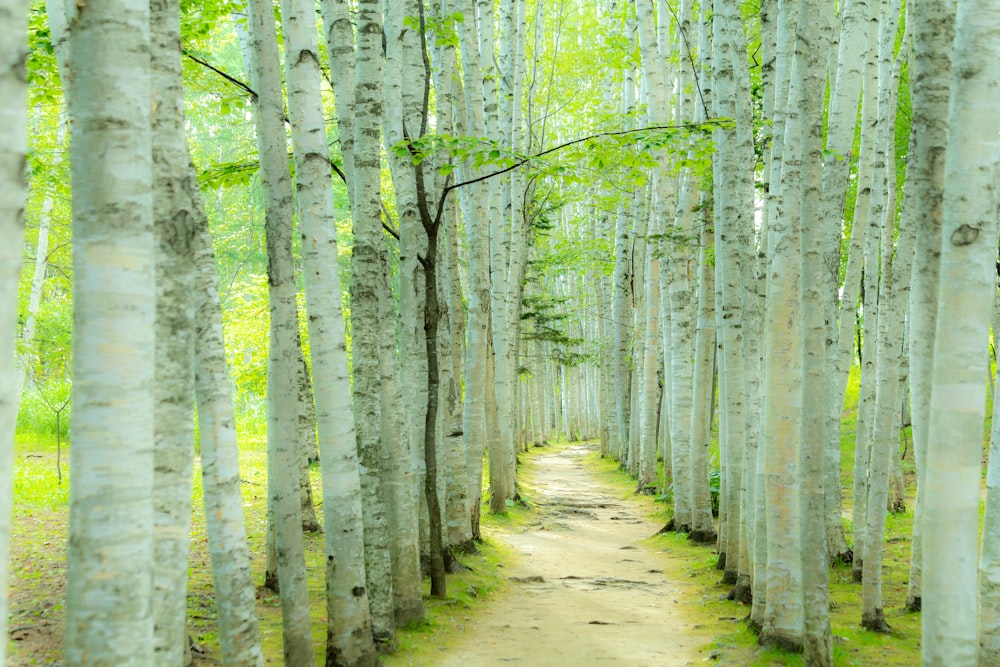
<point x="573" y="142"/>
<point x="231" y="79"/>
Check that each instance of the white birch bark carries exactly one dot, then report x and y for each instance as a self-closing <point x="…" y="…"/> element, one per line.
<point x="932" y="25"/>
<point x="282" y="368"/>
<point x="754" y="340"/>
<point x="308" y="450"/>
<point x="893" y="289"/>
<point x="235" y="595"/>
<point x="682" y="268"/>
<point x="965" y="299"/>
<point x="366" y="265"/>
<point x="783" y="623"/>
<point x="647" y="435"/>
<point x="841" y="120"/>
<point x="474" y="426"/>
<point x="109" y="605"/>
<point x="399" y="464"/>
<point x="403" y="120"/>
<point x="173" y="393"/>
<point x="733" y="239"/>
<point x="502" y="460"/>
<point x="449" y="110"/>
<point x="13" y="196"/>
<point x="868" y="242"/>
<point x="622" y="285"/>
<point x="702" y="523"/>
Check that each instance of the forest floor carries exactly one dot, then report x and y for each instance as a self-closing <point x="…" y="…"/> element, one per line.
<point x="585" y="585"/>
<point x="579" y="575"/>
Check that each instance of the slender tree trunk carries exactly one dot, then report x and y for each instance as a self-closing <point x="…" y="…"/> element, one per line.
<point x="13" y="196"/>
<point x="783" y="372"/>
<point x="815" y="287"/>
<point x="366" y="265"/>
<point x="869" y="305"/>
<point x="109" y="603"/>
<point x="282" y="369"/>
<point x="235" y="597"/>
<point x="174" y="194"/>
<point x="307" y="443"/>
<point x="965" y="299"/>
<point x="841" y="122"/>
<point x="893" y="290"/>
<point x="702" y="523"/>
<point x="932" y="25"/>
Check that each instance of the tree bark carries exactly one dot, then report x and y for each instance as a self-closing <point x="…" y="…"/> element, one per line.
<point x="283" y="449"/>
<point x="966" y="292"/>
<point x="13" y="196"/>
<point x="174" y="192"/>
<point x="109" y="604"/>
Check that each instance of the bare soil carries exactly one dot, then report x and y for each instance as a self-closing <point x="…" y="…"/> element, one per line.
<point x="585" y="588"/>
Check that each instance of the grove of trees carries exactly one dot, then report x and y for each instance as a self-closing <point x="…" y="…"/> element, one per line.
<point x="410" y="239"/>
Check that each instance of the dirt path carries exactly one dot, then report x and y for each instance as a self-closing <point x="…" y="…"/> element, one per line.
<point x="584" y="590"/>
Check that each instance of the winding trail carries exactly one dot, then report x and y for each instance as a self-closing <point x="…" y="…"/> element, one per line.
<point x="584" y="590"/>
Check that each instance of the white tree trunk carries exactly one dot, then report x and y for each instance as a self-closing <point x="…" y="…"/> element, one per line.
<point x="783" y="372"/>
<point x="235" y="595"/>
<point x="174" y="192"/>
<point x="965" y="300"/>
<point x="733" y="238"/>
<point x="282" y="368"/>
<point x="866" y="225"/>
<point x="893" y="290"/>
<point x="477" y="233"/>
<point x="702" y="523"/>
<point x="13" y="195"/>
<point x="109" y="604"/>
<point x="367" y="280"/>
<point x="932" y="25"/>
<point x="841" y="121"/>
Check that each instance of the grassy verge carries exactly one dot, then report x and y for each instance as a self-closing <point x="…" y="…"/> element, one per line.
<point x="736" y="645"/>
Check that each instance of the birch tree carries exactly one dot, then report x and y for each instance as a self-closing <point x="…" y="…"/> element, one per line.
<point x="402" y="411"/>
<point x="783" y="352"/>
<point x="893" y="291"/>
<point x="474" y="422"/>
<point x="965" y="299"/>
<point x="933" y="28"/>
<point x="282" y="368"/>
<point x="366" y="276"/>
<point x="806" y="93"/>
<point x="13" y="195"/>
<point x="173" y="419"/>
<point x="733" y="187"/>
<point x="841" y="121"/>
<point x="235" y="595"/>
<point x="109" y="604"/>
